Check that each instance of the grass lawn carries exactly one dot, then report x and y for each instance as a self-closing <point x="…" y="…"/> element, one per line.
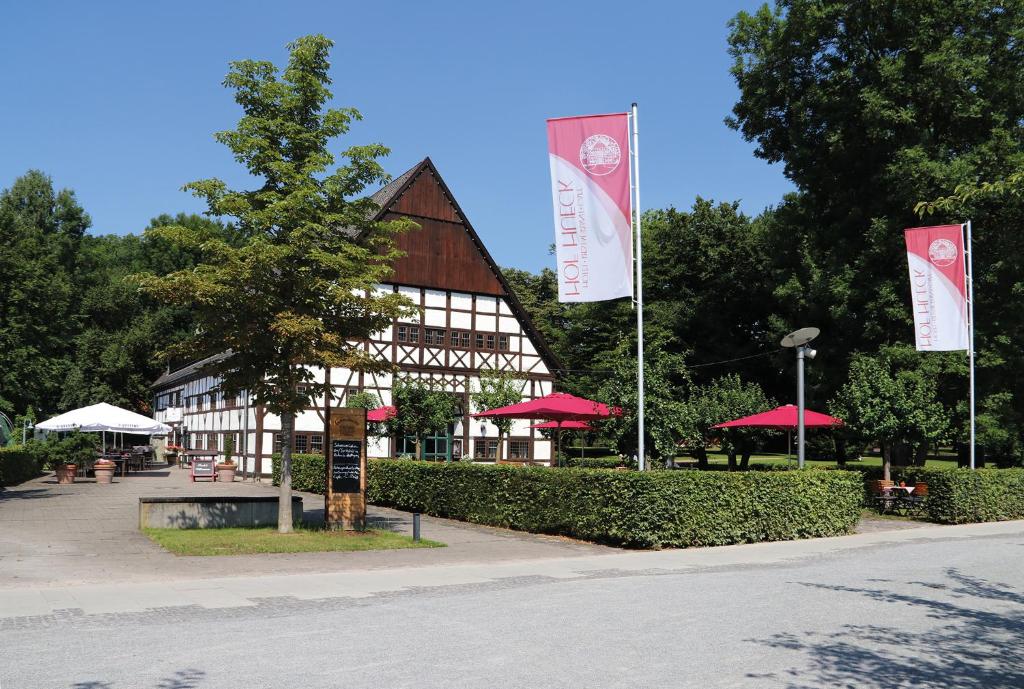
<point x="268" y="540"/>
<point x="781" y="458"/>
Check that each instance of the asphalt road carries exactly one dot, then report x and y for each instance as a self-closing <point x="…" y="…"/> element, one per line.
<point x="940" y="613"/>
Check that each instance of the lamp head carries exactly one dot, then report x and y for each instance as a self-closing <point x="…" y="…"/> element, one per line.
<point x="810" y="353"/>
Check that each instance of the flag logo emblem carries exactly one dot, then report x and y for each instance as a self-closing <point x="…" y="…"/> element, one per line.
<point x="600" y="155"/>
<point x="942" y="252"/>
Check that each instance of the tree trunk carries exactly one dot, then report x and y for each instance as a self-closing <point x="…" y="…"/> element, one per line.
<point x="921" y="455"/>
<point x="841" y="453"/>
<point x="732" y="460"/>
<point x="701" y="454"/>
<point x="284" y="505"/>
<point x="417" y="450"/>
<point x="501" y="448"/>
<point x="886" y="462"/>
<point x="745" y="460"/>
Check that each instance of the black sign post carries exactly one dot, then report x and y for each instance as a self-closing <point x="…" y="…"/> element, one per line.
<point x="346" y="465"/>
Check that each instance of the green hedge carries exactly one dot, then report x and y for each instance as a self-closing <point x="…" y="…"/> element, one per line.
<point x="593" y="462"/>
<point x="653" y="509"/>
<point x="963" y="496"/>
<point x="308" y="472"/>
<point x="19" y="464"/>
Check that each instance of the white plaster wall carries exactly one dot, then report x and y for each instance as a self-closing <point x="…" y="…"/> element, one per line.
<point x="486" y="304"/>
<point x="435" y="297"/>
<point x="462" y="301"/>
<point x="434" y="318"/>
<point x="486" y="324"/>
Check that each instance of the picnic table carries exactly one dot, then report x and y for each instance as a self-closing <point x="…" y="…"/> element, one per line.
<point x="902" y="499"/>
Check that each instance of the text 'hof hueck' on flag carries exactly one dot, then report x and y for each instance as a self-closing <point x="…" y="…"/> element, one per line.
<point x="590" y="189"/>
<point x="938" y="287"/>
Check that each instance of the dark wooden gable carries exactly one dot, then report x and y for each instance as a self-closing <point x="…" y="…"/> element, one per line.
<point x="444" y="253"/>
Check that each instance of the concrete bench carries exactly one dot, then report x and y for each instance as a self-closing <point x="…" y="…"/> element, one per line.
<point x="212" y="512"/>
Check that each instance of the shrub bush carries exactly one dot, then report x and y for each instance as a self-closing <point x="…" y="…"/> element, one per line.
<point x="309" y="473"/>
<point x="19" y="464"/>
<point x="652" y="509"/>
<point x="594" y="462"/>
<point x="962" y="496"/>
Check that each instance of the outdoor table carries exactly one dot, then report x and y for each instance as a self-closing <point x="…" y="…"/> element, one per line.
<point x="908" y="489"/>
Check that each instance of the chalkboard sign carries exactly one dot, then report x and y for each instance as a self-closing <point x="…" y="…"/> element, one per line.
<point x="346" y="465"/>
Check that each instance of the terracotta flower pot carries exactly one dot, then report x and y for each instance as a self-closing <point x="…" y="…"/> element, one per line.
<point x="226" y="472"/>
<point x="104" y="472"/>
<point x="67" y="473"/>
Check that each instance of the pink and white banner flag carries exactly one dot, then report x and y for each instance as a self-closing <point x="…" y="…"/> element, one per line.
<point x="938" y="285"/>
<point x="590" y="188"/>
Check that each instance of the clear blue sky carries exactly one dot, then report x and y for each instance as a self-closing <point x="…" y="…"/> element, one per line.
<point x="119" y="101"/>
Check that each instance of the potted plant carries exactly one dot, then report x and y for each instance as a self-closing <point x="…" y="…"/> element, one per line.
<point x="226" y="469"/>
<point x="76" y="450"/>
<point x="171" y="453"/>
<point x="104" y="470"/>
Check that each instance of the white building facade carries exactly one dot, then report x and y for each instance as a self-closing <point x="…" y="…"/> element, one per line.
<point x="468" y="320"/>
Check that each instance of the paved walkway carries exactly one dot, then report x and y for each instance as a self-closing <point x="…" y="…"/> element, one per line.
<point x="84" y="533"/>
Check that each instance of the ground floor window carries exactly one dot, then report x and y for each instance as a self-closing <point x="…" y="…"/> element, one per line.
<point x="519" y="449"/>
<point x="316" y="443"/>
<point x="301" y="444"/>
<point x="405" y="445"/>
<point x="485" y="449"/>
<point x="437" y="446"/>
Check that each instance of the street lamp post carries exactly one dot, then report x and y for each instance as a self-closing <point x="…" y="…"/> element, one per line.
<point x="798" y="340"/>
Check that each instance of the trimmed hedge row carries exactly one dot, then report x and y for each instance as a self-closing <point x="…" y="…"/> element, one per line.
<point x="963" y="496"/>
<point x="644" y="510"/>
<point x="19" y="464"/>
<point x="309" y="473"/>
<point x="593" y="462"/>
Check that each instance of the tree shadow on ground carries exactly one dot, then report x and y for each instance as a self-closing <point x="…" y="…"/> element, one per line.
<point x="29" y="494"/>
<point x="974" y="644"/>
<point x="182" y="679"/>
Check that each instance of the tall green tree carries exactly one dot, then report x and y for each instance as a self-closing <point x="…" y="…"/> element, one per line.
<point x="498" y="389"/>
<point x="666" y="380"/>
<point x="40" y="233"/>
<point x="422" y="406"/>
<point x="872" y="107"/>
<point x="298" y="291"/>
<point x="724" y="399"/>
<point x="894" y="404"/>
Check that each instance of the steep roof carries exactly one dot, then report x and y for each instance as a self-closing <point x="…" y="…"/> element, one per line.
<point x="188" y="372"/>
<point x="391" y="195"/>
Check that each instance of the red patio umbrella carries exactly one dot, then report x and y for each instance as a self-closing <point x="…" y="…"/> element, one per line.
<point x="564" y="425"/>
<point x="559" y="407"/>
<point x="784" y="419"/>
<point x="567" y="426"/>
<point x="381" y="413"/>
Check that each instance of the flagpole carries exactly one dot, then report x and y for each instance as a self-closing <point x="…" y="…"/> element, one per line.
<point x="639" y="294"/>
<point x="970" y="322"/>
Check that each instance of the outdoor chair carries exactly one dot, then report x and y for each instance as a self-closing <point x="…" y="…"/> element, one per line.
<point x="915" y="502"/>
<point x="882" y="495"/>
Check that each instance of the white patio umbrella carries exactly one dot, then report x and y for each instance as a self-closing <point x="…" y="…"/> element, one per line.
<point x="104" y="417"/>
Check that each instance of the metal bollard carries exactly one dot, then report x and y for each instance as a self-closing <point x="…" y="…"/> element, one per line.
<point x="416" y="526"/>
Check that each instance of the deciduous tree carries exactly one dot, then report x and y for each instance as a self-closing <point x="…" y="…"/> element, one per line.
<point x="299" y="290"/>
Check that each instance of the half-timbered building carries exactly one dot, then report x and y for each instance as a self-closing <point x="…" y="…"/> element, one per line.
<point x="468" y="320"/>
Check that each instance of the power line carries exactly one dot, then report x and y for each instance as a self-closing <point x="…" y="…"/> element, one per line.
<point x="708" y="363"/>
